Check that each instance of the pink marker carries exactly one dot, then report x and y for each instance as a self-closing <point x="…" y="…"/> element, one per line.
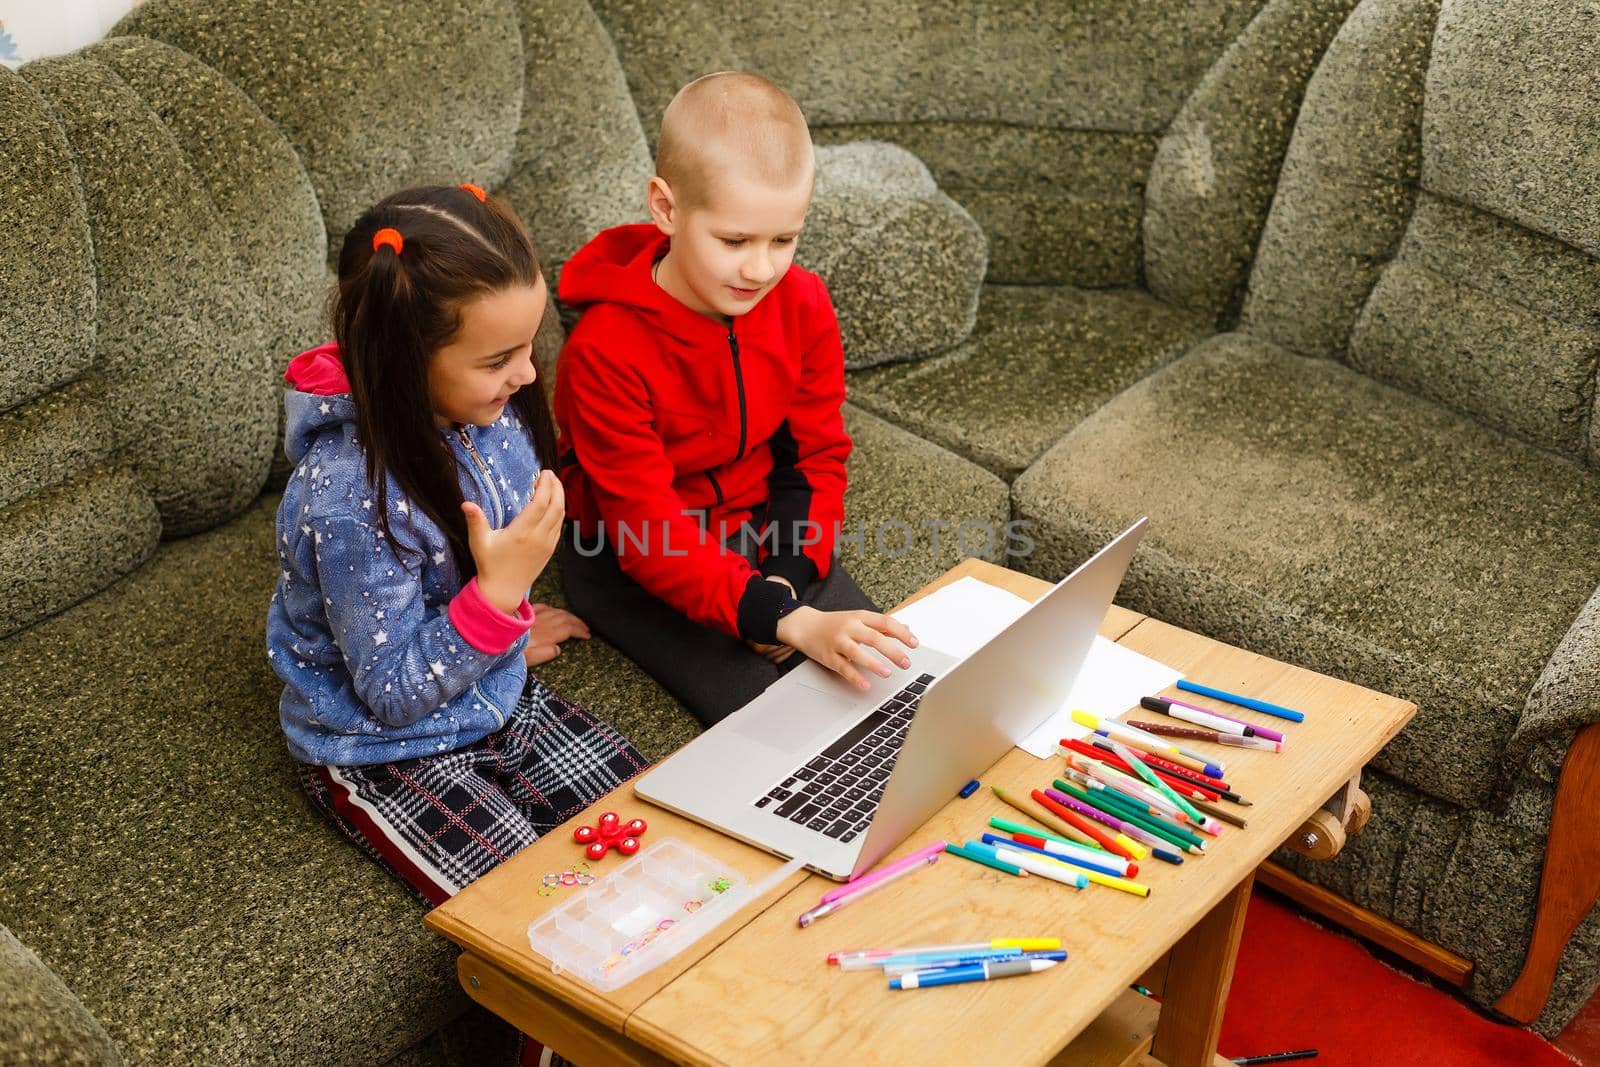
<point x="848" y="893"/>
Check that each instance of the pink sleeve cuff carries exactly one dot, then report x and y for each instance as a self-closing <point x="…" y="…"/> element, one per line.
<point x="486" y="627"/>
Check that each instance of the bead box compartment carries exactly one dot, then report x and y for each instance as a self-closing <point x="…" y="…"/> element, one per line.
<point x="639" y="916"/>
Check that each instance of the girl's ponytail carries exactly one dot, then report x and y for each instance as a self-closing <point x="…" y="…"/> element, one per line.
<point x="405" y="269"/>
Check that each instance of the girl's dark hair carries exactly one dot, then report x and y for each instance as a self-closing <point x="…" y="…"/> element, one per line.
<point x="391" y="313"/>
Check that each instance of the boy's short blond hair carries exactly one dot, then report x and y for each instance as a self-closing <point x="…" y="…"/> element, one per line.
<point x="731" y="121"/>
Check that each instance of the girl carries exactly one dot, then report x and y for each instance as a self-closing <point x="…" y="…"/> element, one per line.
<point x="417" y="517"/>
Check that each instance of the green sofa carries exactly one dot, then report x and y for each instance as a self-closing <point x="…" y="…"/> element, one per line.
<point x="1291" y="276"/>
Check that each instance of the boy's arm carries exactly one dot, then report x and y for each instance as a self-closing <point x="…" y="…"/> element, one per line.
<point x="404" y="660"/>
<point x="658" y="544"/>
<point x="807" y="483"/>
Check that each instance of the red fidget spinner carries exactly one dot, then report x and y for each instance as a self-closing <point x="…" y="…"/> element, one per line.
<point x="611" y="832"/>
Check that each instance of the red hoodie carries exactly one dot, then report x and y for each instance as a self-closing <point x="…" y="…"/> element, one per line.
<point x="675" y="428"/>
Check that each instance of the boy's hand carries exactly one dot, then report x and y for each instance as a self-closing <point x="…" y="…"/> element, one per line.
<point x="551" y="626"/>
<point x="772" y="653"/>
<point x="844" y="641"/>
<point x="775" y="653"/>
<point x="509" y="559"/>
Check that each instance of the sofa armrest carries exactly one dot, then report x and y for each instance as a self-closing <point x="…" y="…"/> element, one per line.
<point x="1565" y="698"/>
<point x="40" y="1019"/>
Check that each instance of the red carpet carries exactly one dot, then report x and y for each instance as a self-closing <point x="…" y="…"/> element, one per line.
<point x="1299" y="985"/>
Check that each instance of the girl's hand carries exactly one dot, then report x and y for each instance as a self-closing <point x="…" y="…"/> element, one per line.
<point x="551" y="626"/>
<point x="509" y="559"/>
<point x="843" y="641"/>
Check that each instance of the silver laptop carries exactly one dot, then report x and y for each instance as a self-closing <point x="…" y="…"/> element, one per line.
<point x="816" y="769"/>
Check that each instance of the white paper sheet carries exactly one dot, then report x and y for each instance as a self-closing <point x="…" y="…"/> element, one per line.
<point x="959" y="618"/>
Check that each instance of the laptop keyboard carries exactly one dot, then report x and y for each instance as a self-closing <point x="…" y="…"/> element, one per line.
<point x="837" y="792"/>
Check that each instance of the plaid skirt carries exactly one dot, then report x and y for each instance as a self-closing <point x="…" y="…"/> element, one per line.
<point x="439" y="822"/>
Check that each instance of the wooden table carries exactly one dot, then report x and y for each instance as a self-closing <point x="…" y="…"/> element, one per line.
<point x="757" y="990"/>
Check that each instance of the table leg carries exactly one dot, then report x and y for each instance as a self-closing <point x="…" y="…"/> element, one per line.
<point x="560" y="1026"/>
<point x="1196" y="990"/>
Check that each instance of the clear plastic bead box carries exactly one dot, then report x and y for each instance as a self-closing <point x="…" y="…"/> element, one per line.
<point x="640" y="915"/>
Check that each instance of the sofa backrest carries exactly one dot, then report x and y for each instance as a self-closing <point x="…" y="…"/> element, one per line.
<point x="177" y="191"/>
<point x="1042" y="119"/>
<point x="165" y="244"/>
<point x="381" y="94"/>
<point x="1437" y="223"/>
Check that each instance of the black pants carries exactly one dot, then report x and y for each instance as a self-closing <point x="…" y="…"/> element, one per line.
<point x="711" y="674"/>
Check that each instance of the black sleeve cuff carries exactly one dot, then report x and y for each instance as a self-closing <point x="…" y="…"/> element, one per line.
<point x="797" y="569"/>
<point x="760" y="608"/>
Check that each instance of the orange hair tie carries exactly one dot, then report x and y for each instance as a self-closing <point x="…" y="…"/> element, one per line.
<point x="475" y="190"/>
<point x="388" y="236"/>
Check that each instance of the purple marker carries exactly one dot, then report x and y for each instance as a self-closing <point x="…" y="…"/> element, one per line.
<point x="1089" y="811"/>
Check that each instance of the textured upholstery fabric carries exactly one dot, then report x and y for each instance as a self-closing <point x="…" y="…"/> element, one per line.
<point x="157" y="853"/>
<point x="1040" y="359"/>
<point x="46" y="258"/>
<point x="1565" y="697"/>
<point x="1058" y="206"/>
<point x="1348" y="180"/>
<point x="41" y="1022"/>
<point x="903" y="262"/>
<point x="72" y="516"/>
<point x="181" y="348"/>
<point x="1213" y="175"/>
<point x="1301" y="510"/>
<point x="1039" y="118"/>
<point x="1097" y="64"/>
<point x="373" y="96"/>
<point x="580" y="161"/>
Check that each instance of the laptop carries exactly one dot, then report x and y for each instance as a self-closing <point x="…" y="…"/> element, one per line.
<point x="818" y="770"/>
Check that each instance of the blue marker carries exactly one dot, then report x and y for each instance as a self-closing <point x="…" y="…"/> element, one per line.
<point x="1088" y="865"/>
<point x="968" y="789"/>
<point x="978" y="972"/>
<point x="1244" y="702"/>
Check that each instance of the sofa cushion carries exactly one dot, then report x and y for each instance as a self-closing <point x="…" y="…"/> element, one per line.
<point x="1213" y="177"/>
<point x="181" y="359"/>
<point x="1348" y="180"/>
<point x="580" y="161"/>
<point x="1057" y="206"/>
<point x="903" y="262"/>
<point x="1039" y="359"/>
<point x="46" y="256"/>
<point x="374" y="96"/>
<point x="41" y="1022"/>
<point x="1306" y="512"/>
<point x="158" y="855"/>
<point x="73" y="518"/>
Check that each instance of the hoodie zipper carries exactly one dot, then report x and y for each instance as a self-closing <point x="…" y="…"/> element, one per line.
<point x="488" y="480"/>
<point x="738" y="383"/>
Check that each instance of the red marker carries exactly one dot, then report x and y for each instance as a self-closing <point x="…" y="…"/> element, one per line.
<point x="1086" y="826"/>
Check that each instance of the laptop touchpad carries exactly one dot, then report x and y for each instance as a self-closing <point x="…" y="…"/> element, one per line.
<point x="795" y="714"/>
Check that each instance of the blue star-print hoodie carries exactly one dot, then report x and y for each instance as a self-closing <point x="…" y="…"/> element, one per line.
<point x="386" y="656"/>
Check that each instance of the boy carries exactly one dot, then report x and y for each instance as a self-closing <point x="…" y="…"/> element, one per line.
<point x="698" y="403"/>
